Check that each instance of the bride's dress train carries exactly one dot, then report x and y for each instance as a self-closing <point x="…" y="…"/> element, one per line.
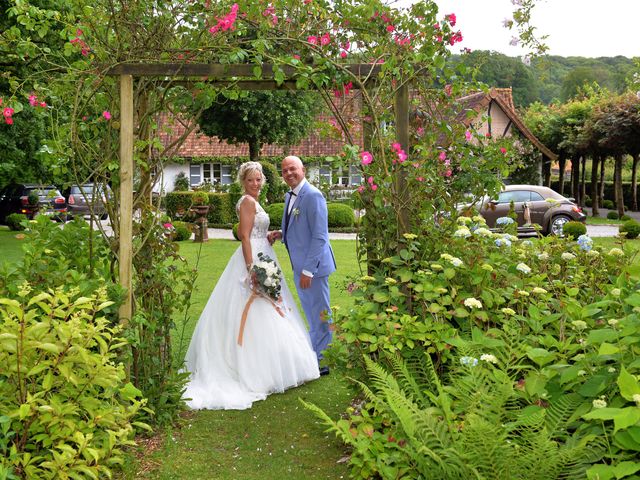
<point x="275" y="354"/>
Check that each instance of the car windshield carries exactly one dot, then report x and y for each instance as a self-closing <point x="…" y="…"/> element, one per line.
<point x="46" y="192"/>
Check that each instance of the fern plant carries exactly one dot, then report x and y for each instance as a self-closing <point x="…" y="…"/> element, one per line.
<point x="470" y="424"/>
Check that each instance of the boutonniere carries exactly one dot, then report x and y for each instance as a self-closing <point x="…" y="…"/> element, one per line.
<point x="295" y="212"/>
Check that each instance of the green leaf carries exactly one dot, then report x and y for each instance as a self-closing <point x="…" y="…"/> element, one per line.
<point x="602" y="335"/>
<point x="129" y="392"/>
<point x="628" y="385"/>
<point x="24" y="411"/>
<point x="608" y="349"/>
<point x="380" y="297"/>
<point x="541" y="356"/>
<point x="600" y="472"/>
<point x="633" y="300"/>
<point x="628" y="417"/>
<point x="624" y="469"/>
<point x="257" y="71"/>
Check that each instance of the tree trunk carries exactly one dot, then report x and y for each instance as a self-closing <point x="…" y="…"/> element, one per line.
<point x="583" y="182"/>
<point x="617" y="180"/>
<point x="601" y="189"/>
<point x="546" y="171"/>
<point x="561" y="164"/>
<point x="595" y="194"/>
<point x="634" y="183"/>
<point x="254" y="150"/>
<point x="575" y="179"/>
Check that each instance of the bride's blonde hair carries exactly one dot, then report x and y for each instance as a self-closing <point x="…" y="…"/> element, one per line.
<point x="246" y="168"/>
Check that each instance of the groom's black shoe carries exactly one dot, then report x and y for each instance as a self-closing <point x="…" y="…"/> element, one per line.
<point x="324" y="371"/>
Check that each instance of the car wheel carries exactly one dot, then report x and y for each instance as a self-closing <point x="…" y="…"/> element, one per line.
<point x="557" y="222"/>
<point x="104" y="216"/>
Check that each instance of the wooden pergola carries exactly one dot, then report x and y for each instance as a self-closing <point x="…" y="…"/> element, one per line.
<point x="225" y="75"/>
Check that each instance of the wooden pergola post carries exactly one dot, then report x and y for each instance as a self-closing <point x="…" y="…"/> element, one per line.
<point x="125" y="252"/>
<point x="401" y="113"/>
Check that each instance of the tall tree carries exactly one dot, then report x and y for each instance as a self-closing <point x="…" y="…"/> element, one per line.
<point x="261" y="118"/>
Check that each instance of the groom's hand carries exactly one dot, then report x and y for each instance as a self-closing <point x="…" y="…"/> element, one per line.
<point x="305" y="281"/>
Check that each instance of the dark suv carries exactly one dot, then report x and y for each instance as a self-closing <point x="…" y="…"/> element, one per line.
<point x="30" y="200"/>
<point x="87" y="199"/>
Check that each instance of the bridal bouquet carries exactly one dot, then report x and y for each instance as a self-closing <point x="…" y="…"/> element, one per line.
<point x="267" y="276"/>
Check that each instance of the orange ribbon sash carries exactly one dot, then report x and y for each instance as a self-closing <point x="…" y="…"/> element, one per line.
<point x="245" y="312"/>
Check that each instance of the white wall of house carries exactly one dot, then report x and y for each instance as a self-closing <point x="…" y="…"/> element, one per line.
<point x="168" y="177"/>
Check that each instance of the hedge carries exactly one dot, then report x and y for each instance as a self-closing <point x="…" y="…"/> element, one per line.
<point x="340" y="215"/>
<point x="221" y="211"/>
<point x="609" y="193"/>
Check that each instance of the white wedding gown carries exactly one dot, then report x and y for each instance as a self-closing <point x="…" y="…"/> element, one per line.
<point x="276" y="352"/>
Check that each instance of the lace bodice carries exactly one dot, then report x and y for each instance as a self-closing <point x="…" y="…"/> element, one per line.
<point x="261" y="222"/>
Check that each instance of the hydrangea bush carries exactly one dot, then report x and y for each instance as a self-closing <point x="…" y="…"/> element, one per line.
<point x="558" y="318"/>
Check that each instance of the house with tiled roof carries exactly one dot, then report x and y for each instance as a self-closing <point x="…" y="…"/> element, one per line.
<point x="208" y="159"/>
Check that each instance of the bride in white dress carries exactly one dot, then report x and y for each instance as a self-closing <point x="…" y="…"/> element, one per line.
<point x="275" y="351"/>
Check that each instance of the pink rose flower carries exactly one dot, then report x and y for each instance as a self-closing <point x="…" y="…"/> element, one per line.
<point x="503" y="150"/>
<point x="451" y="18"/>
<point x="366" y="159"/>
<point x="374" y="187"/>
<point x="442" y="156"/>
<point x="325" y="39"/>
<point x="312" y="39"/>
<point x="33" y="100"/>
<point x="107" y="115"/>
<point x="467" y="135"/>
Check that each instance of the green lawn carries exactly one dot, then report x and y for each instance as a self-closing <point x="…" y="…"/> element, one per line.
<point x="11" y="247"/>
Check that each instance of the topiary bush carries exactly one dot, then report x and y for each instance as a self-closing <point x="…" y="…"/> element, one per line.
<point x="14" y="221"/>
<point x="574" y="229"/>
<point x="66" y="407"/>
<point x="608" y="204"/>
<point x="276" y="212"/>
<point x="273" y="185"/>
<point x="625" y="217"/>
<point x="182" y="231"/>
<point x="631" y="228"/>
<point x="340" y="215"/>
<point x="612" y="215"/>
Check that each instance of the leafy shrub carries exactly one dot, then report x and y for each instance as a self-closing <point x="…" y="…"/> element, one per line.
<point x="200" y="198"/>
<point x="472" y="422"/>
<point x="274" y="186"/>
<point x="182" y="231"/>
<point x="67" y="409"/>
<point x="587" y="201"/>
<point x="608" y="204"/>
<point x="177" y="204"/>
<point x="276" y="212"/>
<point x="574" y="229"/>
<point x="625" y="217"/>
<point x="33" y="198"/>
<point x="234" y="230"/>
<point x="612" y="215"/>
<point x="181" y="183"/>
<point x="14" y="221"/>
<point x="340" y="215"/>
<point x="631" y="228"/>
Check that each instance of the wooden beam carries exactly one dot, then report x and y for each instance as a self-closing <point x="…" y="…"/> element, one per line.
<point x="221" y="71"/>
<point x="125" y="256"/>
<point x="402" y="135"/>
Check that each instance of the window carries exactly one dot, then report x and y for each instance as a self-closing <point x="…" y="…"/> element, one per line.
<point x="536" y="197"/>
<point x="355" y="176"/>
<point x="195" y="177"/>
<point x="324" y="174"/>
<point x="210" y="172"/>
<point x="514" y="196"/>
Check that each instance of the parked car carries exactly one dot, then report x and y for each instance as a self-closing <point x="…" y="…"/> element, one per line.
<point x="87" y="199"/>
<point x="31" y="200"/>
<point x="547" y="208"/>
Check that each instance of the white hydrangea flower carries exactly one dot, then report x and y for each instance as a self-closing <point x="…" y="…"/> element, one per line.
<point x="539" y="290"/>
<point x="612" y="321"/>
<point x="611" y="370"/>
<point x="599" y="403"/>
<point x="543" y="256"/>
<point x="487" y="267"/>
<point x="479" y="219"/>
<point x="593" y="253"/>
<point x="616" y="252"/>
<point x="437" y="267"/>
<point x="462" y="232"/>
<point x="522" y="293"/>
<point x="524" y="268"/>
<point x="579" y="324"/>
<point x="472" y="303"/>
<point x="615" y="292"/>
<point x="567" y="257"/>
<point x="508" y="311"/>
<point x="463" y="220"/>
<point x="487" y="357"/>
<point x="483" y="232"/>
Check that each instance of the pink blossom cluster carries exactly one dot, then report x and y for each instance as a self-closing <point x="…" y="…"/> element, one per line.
<point x="33" y="101"/>
<point x="270" y="11"/>
<point x="403" y="40"/>
<point x="227" y="22"/>
<point x="366" y="158"/>
<point x="80" y="43"/>
<point x="7" y="113"/>
<point x="371" y="183"/>
<point x="323" y="40"/>
<point x="344" y="49"/>
<point x="451" y="18"/>
<point x="402" y="156"/>
<point x="345" y="90"/>
<point x="455" y="38"/>
<point x="442" y="156"/>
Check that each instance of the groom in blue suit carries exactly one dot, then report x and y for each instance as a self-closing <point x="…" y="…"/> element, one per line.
<point x="305" y="233"/>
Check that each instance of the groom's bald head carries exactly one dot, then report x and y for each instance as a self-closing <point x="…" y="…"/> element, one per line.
<point x="292" y="171"/>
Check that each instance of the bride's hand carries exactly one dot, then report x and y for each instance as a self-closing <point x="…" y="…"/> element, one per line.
<point x="273" y="236"/>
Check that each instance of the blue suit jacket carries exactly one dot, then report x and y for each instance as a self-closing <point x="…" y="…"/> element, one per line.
<point x="306" y="234"/>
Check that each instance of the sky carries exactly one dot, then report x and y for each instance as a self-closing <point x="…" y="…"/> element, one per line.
<point x="585" y="28"/>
